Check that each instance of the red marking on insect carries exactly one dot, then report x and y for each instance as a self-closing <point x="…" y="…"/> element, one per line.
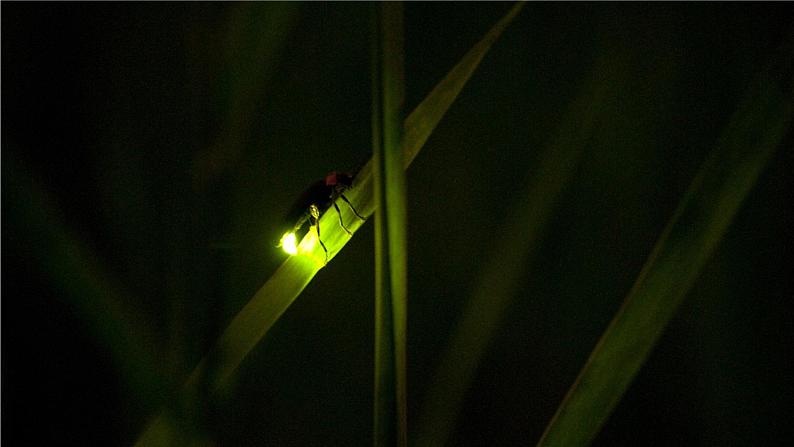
<point x="317" y="199"/>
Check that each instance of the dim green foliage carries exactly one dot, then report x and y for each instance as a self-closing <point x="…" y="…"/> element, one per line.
<point x="285" y="285"/>
<point x="512" y="255"/>
<point x="388" y="86"/>
<point x="691" y="236"/>
<point x="77" y="269"/>
<point x="569" y="173"/>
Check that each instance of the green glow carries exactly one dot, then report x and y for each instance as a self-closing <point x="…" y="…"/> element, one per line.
<point x="289" y="243"/>
<point x="309" y="241"/>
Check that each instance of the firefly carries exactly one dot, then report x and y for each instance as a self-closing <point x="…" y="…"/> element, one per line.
<point x="312" y="204"/>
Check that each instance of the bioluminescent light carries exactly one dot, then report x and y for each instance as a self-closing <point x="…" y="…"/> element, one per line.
<point x="309" y="241"/>
<point x="289" y="243"/>
<point x="318" y="198"/>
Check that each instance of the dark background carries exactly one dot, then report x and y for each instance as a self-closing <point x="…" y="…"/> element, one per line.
<point x="149" y="151"/>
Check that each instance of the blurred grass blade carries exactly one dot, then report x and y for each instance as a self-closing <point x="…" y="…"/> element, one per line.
<point x="701" y="219"/>
<point x="268" y="304"/>
<point x="513" y="254"/>
<point x="388" y="177"/>
<point x="253" y="40"/>
<point x="35" y="223"/>
<point x="420" y="124"/>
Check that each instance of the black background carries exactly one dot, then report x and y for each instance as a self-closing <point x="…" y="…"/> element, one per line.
<point x="167" y="140"/>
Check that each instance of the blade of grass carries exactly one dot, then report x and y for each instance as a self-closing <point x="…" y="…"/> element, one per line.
<point x="421" y="122"/>
<point x="701" y="219"/>
<point x="390" y="240"/>
<point x="268" y="304"/>
<point x="254" y="38"/>
<point x="513" y="255"/>
<point x="35" y="222"/>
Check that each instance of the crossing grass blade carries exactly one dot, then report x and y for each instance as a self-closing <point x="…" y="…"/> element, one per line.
<point x="689" y="239"/>
<point x="268" y="304"/>
<point x="388" y="86"/>
<point x="512" y="256"/>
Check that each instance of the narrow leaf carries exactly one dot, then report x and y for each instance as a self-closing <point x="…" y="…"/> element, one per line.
<point x="512" y="256"/>
<point x="268" y="304"/>
<point x="694" y="231"/>
<point x="35" y="222"/>
<point x="390" y="241"/>
<point x="420" y="124"/>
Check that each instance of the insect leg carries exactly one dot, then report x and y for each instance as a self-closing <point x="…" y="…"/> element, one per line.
<point x="321" y="241"/>
<point x="314" y="212"/>
<point x="340" y="219"/>
<point x="351" y="207"/>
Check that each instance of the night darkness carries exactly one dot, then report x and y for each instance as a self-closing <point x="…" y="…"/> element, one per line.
<point x="150" y="150"/>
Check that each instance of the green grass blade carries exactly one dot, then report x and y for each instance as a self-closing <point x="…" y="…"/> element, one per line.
<point x="390" y="222"/>
<point x="420" y="124"/>
<point x="701" y="219"/>
<point x="35" y="222"/>
<point x="255" y="35"/>
<point x="512" y="256"/>
<point x="266" y="306"/>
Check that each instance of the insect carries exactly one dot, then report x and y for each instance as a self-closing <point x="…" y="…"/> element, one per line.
<point x="317" y="199"/>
